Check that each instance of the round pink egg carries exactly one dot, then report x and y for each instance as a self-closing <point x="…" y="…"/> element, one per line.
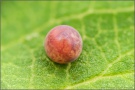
<point x="63" y="44"/>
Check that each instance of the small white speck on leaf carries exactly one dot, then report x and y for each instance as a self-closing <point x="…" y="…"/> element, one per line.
<point x="33" y="35"/>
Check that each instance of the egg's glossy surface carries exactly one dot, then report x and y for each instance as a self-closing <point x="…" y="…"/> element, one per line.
<point x="63" y="44"/>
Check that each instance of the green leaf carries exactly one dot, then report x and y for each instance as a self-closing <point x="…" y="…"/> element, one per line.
<point x="107" y="59"/>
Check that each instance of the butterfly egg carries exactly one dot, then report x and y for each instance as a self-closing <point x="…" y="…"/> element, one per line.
<point x="63" y="44"/>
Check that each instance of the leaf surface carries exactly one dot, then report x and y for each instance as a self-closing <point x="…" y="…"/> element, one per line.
<point x="107" y="59"/>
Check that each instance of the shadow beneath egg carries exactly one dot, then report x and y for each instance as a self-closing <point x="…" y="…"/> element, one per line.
<point x="46" y="61"/>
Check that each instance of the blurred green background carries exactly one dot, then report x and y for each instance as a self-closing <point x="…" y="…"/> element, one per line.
<point x="107" y="59"/>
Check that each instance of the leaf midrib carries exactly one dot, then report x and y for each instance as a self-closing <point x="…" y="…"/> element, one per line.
<point x="59" y="20"/>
